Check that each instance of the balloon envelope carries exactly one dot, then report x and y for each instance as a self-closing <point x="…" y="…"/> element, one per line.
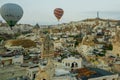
<point x="58" y="12"/>
<point x="11" y="13"/>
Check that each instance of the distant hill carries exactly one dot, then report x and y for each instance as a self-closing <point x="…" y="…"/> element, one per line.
<point x="100" y="19"/>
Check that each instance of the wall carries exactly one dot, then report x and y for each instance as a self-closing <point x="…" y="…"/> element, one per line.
<point x="109" y="77"/>
<point x="18" y="59"/>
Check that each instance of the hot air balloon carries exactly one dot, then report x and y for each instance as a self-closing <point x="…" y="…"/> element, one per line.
<point x="11" y="13"/>
<point x="58" y="12"/>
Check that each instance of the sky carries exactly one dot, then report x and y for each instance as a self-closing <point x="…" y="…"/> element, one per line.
<point x="41" y="11"/>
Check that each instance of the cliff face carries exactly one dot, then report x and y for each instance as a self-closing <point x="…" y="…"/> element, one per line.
<point x="116" y="43"/>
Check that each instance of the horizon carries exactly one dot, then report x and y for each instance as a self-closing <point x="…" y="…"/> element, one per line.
<point x="58" y="22"/>
<point x="41" y="12"/>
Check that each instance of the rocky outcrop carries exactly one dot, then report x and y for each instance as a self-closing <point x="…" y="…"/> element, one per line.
<point x="88" y="40"/>
<point x="116" y="43"/>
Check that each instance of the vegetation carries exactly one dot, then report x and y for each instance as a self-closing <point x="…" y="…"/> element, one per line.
<point x="26" y="32"/>
<point x="45" y="32"/>
<point x="78" y="36"/>
<point x="1" y="39"/>
<point x="71" y="36"/>
<point x="63" y="56"/>
<point x="17" y="34"/>
<point x="76" y="43"/>
<point x="78" y="39"/>
<point x="26" y="43"/>
<point x="74" y="53"/>
<point x="108" y="47"/>
<point x="102" y="54"/>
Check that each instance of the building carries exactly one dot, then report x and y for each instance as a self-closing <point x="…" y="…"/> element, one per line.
<point x="31" y="72"/>
<point x="72" y="62"/>
<point x="48" y="71"/>
<point x="95" y="74"/>
<point x="8" y="59"/>
<point x="116" y="44"/>
<point x="116" y="66"/>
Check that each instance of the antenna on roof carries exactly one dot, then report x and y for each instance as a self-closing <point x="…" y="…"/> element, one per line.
<point x="97" y="14"/>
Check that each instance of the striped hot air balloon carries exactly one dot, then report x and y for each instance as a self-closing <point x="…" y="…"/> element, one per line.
<point x="58" y="12"/>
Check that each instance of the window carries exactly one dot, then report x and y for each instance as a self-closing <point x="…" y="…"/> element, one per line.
<point x="68" y="64"/>
<point x="34" y="76"/>
<point x="72" y="65"/>
<point x="28" y="74"/>
<point x="76" y="64"/>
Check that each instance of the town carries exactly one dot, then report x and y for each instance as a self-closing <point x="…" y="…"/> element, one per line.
<point x="79" y="50"/>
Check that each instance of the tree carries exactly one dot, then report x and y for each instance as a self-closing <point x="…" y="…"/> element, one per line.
<point x="76" y="43"/>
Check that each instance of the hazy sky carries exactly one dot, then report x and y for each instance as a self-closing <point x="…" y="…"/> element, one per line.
<point x="41" y="11"/>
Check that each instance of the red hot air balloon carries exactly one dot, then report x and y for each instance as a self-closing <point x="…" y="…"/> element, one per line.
<point x="58" y="12"/>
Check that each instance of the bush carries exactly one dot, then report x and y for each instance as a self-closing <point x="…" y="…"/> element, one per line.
<point x="76" y="43"/>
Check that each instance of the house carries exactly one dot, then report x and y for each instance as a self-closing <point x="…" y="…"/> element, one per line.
<point x="31" y="72"/>
<point x="72" y="62"/>
<point x="8" y="59"/>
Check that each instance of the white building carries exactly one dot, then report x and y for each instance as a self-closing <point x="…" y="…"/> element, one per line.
<point x="17" y="59"/>
<point x="32" y="71"/>
<point x="72" y="62"/>
<point x="61" y="72"/>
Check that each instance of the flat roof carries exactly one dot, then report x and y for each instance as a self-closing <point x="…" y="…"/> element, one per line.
<point x="99" y="72"/>
<point x="87" y="73"/>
